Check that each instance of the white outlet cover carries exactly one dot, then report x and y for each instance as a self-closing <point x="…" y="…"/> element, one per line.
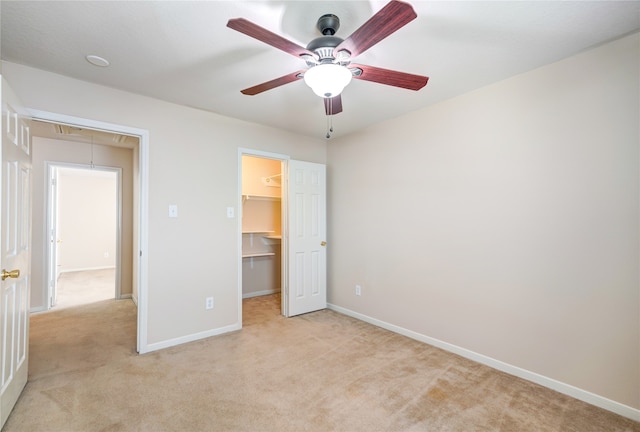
<point x="173" y="211"/>
<point x="231" y="212"/>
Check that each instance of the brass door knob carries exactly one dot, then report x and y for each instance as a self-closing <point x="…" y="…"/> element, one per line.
<point x="323" y="243"/>
<point x="10" y="274"/>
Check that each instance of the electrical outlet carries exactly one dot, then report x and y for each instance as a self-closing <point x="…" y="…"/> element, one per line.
<point x="358" y="290"/>
<point x="208" y="303"/>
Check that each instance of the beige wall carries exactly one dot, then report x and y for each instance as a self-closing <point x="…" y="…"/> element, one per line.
<point x="505" y="221"/>
<point x="53" y="150"/>
<point x="193" y="163"/>
<point x="87" y="219"/>
<point x="254" y="170"/>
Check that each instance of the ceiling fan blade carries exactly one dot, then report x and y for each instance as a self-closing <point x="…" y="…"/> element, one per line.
<point x="286" y="79"/>
<point x="333" y="105"/>
<point x="389" y="77"/>
<point x="393" y="16"/>
<point x="255" y="31"/>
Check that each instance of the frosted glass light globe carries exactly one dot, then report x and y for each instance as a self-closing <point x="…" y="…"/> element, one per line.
<point x="327" y="80"/>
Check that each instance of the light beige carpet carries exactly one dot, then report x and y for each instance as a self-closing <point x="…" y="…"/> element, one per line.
<point x="318" y="372"/>
<point x="82" y="287"/>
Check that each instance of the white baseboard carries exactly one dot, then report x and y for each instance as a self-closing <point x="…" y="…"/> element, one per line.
<point x="567" y="389"/>
<point x="135" y="299"/>
<point x="259" y="293"/>
<point x="84" y="269"/>
<point x="125" y="296"/>
<point x="190" y="338"/>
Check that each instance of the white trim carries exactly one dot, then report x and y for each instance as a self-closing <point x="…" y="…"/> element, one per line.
<point x="86" y="123"/>
<point x="87" y="269"/>
<point x="260" y="293"/>
<point x="260" y="153"/>
<point x="567" y="389"/>
<point x="143" y="204"/>
<point x="192" y="337"/>
<point x="143" y="245"/>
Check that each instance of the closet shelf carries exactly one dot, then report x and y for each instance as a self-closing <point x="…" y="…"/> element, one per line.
<point x="273" y="237"/>
<point x="249" y="197"/>
<point x="258" y="254"/>
<point x="258" y="232"/>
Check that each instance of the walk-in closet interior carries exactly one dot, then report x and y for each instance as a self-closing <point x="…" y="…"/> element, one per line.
<point x="261" y="226"/>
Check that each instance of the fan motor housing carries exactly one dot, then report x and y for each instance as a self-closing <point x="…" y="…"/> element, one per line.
<point x="324" y="45"/>
<point x="328" y="25"/>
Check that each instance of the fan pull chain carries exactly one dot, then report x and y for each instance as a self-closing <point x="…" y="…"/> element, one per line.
<point x="330" y="120"/>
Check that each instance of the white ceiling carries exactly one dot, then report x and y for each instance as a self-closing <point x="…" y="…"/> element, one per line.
<point x="182" y="51"/>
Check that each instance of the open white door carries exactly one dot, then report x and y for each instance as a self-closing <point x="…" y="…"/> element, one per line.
<point x="15" y="256"/>
<point x="307" y="229"/>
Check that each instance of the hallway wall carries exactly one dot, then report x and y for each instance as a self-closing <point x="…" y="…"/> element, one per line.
<point x="87" y="219"/>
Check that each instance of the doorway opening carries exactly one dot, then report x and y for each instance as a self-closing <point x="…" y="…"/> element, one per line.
<point x="262" y="226"/>
<point x="135" y="181"/>
<point x="85" y="235"/>
<point x="299" y="229"/>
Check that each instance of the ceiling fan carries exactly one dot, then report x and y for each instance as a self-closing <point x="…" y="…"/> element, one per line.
<point x="328" y="57"/>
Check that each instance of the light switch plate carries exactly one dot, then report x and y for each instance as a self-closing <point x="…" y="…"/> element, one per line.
<point x="231" y="212"/>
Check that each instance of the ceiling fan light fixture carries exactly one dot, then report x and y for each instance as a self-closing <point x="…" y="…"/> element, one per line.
<point x="327" y="80"/>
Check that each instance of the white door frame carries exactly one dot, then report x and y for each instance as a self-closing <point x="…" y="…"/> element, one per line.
<point x="284" y="248"/>
<point x="142" y="241"/>
<point x="50" y="166"/>
<point x="51" y="194"/>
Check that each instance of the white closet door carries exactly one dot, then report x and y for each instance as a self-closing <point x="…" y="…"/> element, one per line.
<point x="307" y="231"/>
